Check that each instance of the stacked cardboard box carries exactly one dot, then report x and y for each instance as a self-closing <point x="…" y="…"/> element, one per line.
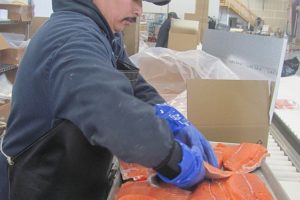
<point x="8" y="54"/>
<point x="183" y="35"/>
<point x="201" y="15"/>
<point x="16" y="12"/>
<point x="35" y="24"/>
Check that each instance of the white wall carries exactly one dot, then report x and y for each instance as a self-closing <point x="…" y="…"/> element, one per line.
<point x="178" y="6"/>
<point x="44" y="7"/>
<point x="213" y="8"/>
<point x="181" y="7"/>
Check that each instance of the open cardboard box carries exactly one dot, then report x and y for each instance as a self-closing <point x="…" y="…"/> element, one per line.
<point x="232" y="111"/>
<point x="238" y="111"/>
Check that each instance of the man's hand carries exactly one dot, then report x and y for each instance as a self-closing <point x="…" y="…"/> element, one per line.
<point x="186" y="133"/>
<point x="191" y="168"/>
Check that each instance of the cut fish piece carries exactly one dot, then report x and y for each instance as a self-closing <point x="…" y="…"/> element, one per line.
<point x="212" y="172"/>
<point x="134" y="171"/>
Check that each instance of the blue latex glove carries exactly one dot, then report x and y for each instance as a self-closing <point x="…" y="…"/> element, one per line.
<point x="185" y="132"/>
<point x="191" y="166"/>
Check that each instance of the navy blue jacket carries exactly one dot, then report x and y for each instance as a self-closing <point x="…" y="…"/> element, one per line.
<point x="69" y="72"/>
<point x="163" y="34"/>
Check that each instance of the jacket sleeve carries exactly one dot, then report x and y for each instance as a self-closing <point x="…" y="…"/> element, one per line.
<point x="86" y="89"/>
<point x="147" y="93"/>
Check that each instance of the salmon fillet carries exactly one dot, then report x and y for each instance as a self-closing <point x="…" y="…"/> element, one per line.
<point x="229" y="182"/>
<point x="244" y="158"/>
<point x="212" y="172"/>
<point x="135" y="171"/>
<point x="143" y="190"/>
<point x="247" y="186"/>
<point x="236" y="187"/>
<point x="211" y="190"/>
<point x="224" y="152"/>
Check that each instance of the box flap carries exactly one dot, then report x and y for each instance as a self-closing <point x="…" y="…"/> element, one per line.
<point x="229" y="110"/>
<point x="3" y="43"/>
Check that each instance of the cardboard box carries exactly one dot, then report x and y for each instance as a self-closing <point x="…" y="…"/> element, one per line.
<point x="182" y="41"/>
<point x="194" y="17"/>
<point x="131" y="38"/>
<point x="203" y="23"/>
<point x="9" y="55"/>
<point x="3" y="43"/>
<point x="238" y="111"/>
<point x="18" y="12"/>
<point x="4" y="112"/>
<point x="183" y="35"/>
<point x="20" y="28"/>
<point x="251" y="57"/>
<point x="231" y="111"/>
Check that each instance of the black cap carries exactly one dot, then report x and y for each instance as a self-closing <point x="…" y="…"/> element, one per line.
<point x="159" y="2"/>
<point x="173" y="15"/>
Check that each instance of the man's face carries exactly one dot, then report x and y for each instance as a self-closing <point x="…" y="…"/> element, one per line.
<point x="119" y="13"/>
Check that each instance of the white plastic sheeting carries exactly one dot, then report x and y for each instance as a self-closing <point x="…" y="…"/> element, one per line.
<point x="167" y="70"/>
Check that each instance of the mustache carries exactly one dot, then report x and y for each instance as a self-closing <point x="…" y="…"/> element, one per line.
<point x="130" y="19"/>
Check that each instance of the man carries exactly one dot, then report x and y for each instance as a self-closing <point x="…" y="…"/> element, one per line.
<point x="163" y="33"/>
<point x="78" y="100"/>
